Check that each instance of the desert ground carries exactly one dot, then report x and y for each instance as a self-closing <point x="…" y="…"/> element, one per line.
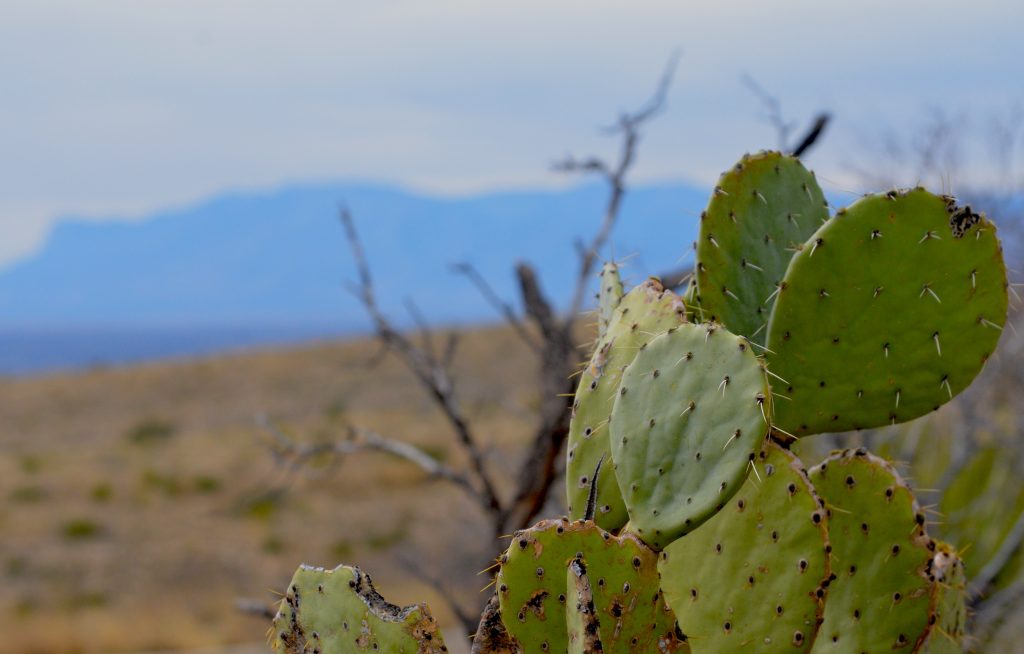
<point x="139" y="504"/>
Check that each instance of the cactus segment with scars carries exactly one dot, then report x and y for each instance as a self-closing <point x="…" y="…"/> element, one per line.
<point x="608" y="297"/>
<point x="643" y="313"/>
<point x="762" y="209"/>
<point x="583" y="626"/>
<point x="338" y="611"/>
<point x="623" y="579"/>
<point x="884" y="594"/>
<point x="888" y="311"/>
<point x="764" y="565"/>
<point x="689" y="418"/>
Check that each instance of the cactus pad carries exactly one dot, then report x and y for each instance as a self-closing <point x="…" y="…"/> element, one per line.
<point x="889" y="310"/>
<point x="339" y="611"/>
<point x="623" y="579"/>
<point x="764" y="208"/>
<point x="690" y="416"/>
<point x="646" y="311"/>
<point x="764" y="565"/>
<point x="882" y="597"/>
<point x="608" y="297"/>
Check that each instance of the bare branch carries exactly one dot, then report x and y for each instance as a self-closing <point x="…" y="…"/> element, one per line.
<point x="783" y="127"/>
<point x="451" y="344"/>
<point x="295" y="455"/>
<point x="418" y="570"/>
<point x="500" y="305"/>
<point x="431" y="374"/>
<point x="628" y="126"/>
<point x="255" y="608"/>
<point x="537" y="306"/>
<point x="370" y="440"/>
<point x="813" y="134"/>
<point x="657" y="102"/>
<point x="424" y="329"/>
<point x="773" y="109"/>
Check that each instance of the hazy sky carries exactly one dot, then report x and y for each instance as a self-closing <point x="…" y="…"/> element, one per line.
<point x="120" y="107"/>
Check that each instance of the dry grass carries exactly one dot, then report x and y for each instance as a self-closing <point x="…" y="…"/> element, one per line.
<point x="131" y="498"/>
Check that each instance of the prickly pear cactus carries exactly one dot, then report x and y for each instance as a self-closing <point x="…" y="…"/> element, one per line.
<point x="883" y="596"/>
<point x="756" y="574"/>
<point x="608" y="297"/>
<point x="876" y="316"/>
<point x="623" y="580"/>
<point x="643" y="313"/>
<point x="887" y="312"/>
<point x="762" y="209"/>
<point x="338" y="611"/>
<point x="689" y="418"/>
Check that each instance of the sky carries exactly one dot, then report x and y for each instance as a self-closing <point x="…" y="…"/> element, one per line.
<point x="123" y="107"/>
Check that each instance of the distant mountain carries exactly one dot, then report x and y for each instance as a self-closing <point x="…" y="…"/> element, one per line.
<point x="275" y="264"/>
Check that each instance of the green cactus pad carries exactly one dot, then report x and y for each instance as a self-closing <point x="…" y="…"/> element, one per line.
<point x="889" y="310"/>
<point x="623" y="575"/>
<point x="762" y="210"/>
<point x="882" y="597"/>
<point x="763" y="565"/>
<point x="339" y="611"/>
<point x="608" y="297"/>
<point x="949" y="594"/>
<point x="691" y="413"/>
<point x="583" y="625"/>
<point x="646" y="311"/>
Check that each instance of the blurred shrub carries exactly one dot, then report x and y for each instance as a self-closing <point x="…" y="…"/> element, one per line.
<point x="150" y="431"/>
<point x="80" y="529"/>
<point x="101" y="492"/>
<point x="30" y="493"/>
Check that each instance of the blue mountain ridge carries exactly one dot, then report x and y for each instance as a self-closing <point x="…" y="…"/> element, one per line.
<point x="247" y="268"/>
